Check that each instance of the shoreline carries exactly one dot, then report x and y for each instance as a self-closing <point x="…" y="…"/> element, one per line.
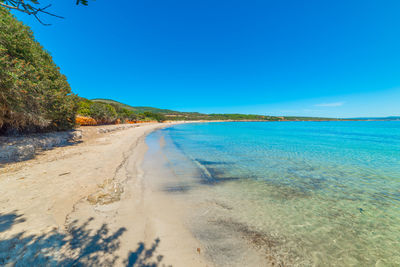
<point x="285" y="192"/>
<point x="89" y="204"/>
<point x="116" y="200"/>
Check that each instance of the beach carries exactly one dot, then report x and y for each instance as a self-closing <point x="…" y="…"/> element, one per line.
<point x="199" y="133"/>
<point x="207" y="194"/>
<point x="88" y="203"/>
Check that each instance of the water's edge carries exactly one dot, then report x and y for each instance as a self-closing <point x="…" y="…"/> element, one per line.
<point x="281" y="203"/>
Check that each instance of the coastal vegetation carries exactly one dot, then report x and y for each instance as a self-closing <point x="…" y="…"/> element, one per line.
<point x="34" y="95"/>
<point x="127" y="112"/>
<point x="108" y="112"/>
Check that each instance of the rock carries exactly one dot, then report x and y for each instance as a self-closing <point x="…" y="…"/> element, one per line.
<point x="77" y="135"/>
<point x="109" y="192"/>
<point x="19" y="148"/>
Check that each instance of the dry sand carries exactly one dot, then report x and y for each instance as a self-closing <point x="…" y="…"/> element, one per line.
<point x="89" y="204"/>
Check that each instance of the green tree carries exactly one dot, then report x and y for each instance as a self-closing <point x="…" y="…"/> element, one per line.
<point x="103" y="113"/>
<point x="126" y="114"/>
<point x="34" y="95"/>
<point x="154" y="116"/>
<point x="84" y="107"/>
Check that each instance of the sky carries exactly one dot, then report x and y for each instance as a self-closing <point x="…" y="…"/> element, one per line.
<point x="287" y="57"/>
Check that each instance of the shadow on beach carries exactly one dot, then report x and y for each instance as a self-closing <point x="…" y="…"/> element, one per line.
<point x="78" y="246"/>
<point x="145" y="257"/>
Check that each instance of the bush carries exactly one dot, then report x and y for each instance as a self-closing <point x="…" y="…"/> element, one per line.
<point x="34" y="95"/>
<point x="103" y="113"/>
<point x="85" y="121"/>
<point x="84" y="107"/>
<point x="126" y="114"/>
<point x="106" y="113"/>
<point x="154" y="116"/>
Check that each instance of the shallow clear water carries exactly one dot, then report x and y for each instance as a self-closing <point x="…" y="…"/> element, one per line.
<point x="304" y="193"/>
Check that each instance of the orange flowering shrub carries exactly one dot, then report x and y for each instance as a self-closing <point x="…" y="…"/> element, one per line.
<point x="85" y="121"/>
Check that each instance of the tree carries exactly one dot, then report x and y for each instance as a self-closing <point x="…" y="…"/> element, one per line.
<point x="33" y="7"/>
<point x="103" y="113"/>
<point x="155" y="116"/>
<point x="34" y="95"/>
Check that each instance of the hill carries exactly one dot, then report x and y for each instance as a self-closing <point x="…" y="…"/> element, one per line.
<point x="134" y="109"/>
<point x="178" y="115"/>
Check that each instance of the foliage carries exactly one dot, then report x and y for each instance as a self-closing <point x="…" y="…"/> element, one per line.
<point x="34" y="95"/>
<point x="126" y="114"/>
<point x="84" y="107"/>
<point x="137" y="110"/>
<point x="103" y="113"/>
<point x="155" y="116"/>
<point x="86" y="121"/>
<point x="106" y="113"/>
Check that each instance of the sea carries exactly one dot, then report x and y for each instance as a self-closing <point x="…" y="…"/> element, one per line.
<point x="296" y="193"/>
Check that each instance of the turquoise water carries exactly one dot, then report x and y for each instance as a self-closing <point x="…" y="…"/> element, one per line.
<point x="304" y="193"/>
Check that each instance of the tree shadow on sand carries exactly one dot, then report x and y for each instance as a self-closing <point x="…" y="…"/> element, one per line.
<point x="145" y="257"/>
<point x="78" y="246"/>
<point x="9" y="219"/>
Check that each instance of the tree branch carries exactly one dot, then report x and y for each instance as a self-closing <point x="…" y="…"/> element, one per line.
<point x="25" y="6"/>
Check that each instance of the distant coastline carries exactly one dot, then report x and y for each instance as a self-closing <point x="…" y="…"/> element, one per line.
<point x="173" y="115"/>
<point x="390" y="118"/>
<point x="125" y="111"/>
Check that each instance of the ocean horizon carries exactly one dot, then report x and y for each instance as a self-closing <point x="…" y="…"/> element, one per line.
<point x="300" y="193"/>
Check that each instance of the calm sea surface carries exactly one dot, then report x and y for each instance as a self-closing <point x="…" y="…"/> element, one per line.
<point x="304" y="193"/>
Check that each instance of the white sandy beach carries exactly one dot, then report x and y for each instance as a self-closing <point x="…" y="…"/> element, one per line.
<point x="89" y="204"/>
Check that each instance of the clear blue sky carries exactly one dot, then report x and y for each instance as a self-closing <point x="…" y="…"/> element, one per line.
<point x="313" y="58"/>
